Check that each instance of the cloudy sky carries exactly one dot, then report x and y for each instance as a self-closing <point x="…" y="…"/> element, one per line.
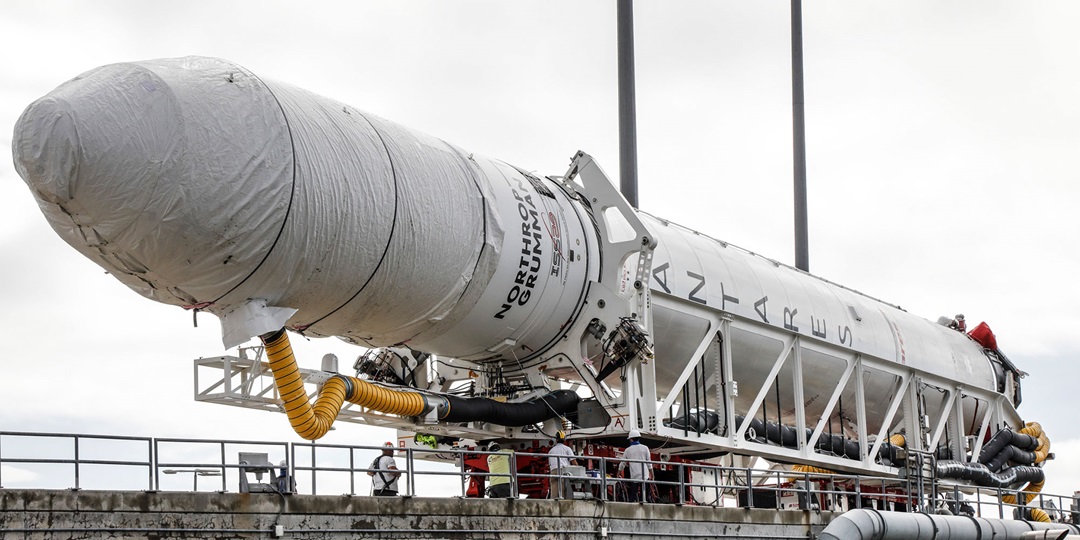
<point x="941" y="143"/>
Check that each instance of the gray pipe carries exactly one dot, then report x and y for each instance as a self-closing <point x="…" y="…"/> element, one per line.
<point x="1056" y="534"/>
<point x="870" y="524"/>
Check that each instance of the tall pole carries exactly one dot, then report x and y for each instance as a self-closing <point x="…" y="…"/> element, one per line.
<point x="802" y="249"/>
<point x="627" y="122"/>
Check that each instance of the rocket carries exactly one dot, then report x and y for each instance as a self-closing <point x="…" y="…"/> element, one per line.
<point x="198" y="184"/>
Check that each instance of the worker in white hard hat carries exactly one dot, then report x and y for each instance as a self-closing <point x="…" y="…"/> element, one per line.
<point x="636" y="458"/>
<point x="560" y="457"/>
<point x="384" y="473"/>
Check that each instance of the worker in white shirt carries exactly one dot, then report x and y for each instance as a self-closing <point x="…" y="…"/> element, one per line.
<point x="560" y="457"/>
<point x="637" y="456"/>
<point x="384" y="473"/>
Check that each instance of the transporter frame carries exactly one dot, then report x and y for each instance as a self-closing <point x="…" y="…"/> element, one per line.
<point x="693" y="396"/>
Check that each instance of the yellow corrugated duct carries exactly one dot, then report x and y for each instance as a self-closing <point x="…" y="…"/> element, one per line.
<point x="1027" y="495"/>
<point x="897" y="439"/>
<point x="811" y="469"/>
<point x="1035" y="430"/>
<point x="1038" y="514"/>
<point x="313" y="421"/>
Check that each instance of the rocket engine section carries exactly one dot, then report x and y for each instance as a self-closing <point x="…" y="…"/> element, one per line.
<point x="200" y="185"/>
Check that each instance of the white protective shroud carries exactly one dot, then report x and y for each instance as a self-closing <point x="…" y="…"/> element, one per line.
<point x="198" y="184"/>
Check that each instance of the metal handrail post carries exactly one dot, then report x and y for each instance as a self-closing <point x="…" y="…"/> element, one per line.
<point x="716" y="483"/>
<point x="682" y="484"/>
<point x="933" y="477"/>
<point x="288" y="470"/>
<point x="461" y="467"/>
<point x="223" y="461"/>
<point x="290" y="456"/>
<point x="779" y="492"/>
<point x="314" y="466"/>
<point x="806" y="486"/>
<point x="352" y="471"/>
<point x="513" y="475"/>
<point x="75" y="439"/>
<point x="858" y="493"/>
<point x="907" y="487"/>
<point x="921" y="493"/>
<point x="603" y="478"/>
<point x="749" y="488"/>
<point x="410" y="478"/>
<point x="150" y="467"/>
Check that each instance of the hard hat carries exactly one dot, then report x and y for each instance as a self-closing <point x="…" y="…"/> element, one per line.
<point x="388" y="444"/>
<point x="560" y="435"/>
<point x="634" y="434"/>
<point x="494" y="447"/>
<point x="960" y="316"/>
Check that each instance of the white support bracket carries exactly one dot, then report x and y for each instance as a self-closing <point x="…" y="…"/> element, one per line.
<point x="786" y="351"/>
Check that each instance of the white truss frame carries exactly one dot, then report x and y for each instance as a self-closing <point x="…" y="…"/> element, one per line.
<point x="245" y="381"/>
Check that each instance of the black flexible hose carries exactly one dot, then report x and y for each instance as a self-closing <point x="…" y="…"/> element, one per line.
<point x="983" y="476"/>
<point x="1008" y="446"/>
<point x="555" y="404"/>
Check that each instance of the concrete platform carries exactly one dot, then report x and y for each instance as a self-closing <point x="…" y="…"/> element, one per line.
<point x="51" y="514"/>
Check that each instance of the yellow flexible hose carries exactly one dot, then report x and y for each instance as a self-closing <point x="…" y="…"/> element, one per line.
<point x="1034" y="429"/>
<point x="811" y="469"/>
<point x="313" y="421"/>
<point x="1027" y="495"/>
<point x="897" y="439"/>
<point x="1038" y="514"/>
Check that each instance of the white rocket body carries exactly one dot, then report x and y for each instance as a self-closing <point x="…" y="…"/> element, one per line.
<point x="704" y="271"/>
<point x="198" y="184"/>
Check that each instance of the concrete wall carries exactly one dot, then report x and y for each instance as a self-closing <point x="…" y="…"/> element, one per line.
<point x="47" y="514"/>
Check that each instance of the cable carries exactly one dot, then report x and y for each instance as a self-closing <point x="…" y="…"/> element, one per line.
<point x="561" y="418"/>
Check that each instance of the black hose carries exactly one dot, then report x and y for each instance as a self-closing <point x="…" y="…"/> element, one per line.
<point x="1008" y="446"/>
<point x="786" y="436"/>
<point x="699" y="422"/>
<point x="983" y="476"/>
<point x="555" y="404"/>
<point x="1000" y="440"/>
<point x="1011" y="454"/>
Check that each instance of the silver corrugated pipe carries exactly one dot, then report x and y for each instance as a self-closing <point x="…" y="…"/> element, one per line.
<point x="869" y="524"/>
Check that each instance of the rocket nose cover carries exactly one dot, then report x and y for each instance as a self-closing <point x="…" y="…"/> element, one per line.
<point x="176" y="195"/>
<point x="197" y="184"/>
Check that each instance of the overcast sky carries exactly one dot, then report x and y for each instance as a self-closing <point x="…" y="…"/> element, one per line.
<point x="941" y="140"/>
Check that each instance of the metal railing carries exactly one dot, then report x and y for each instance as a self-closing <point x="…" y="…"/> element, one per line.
<point x="324" y="469"/>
